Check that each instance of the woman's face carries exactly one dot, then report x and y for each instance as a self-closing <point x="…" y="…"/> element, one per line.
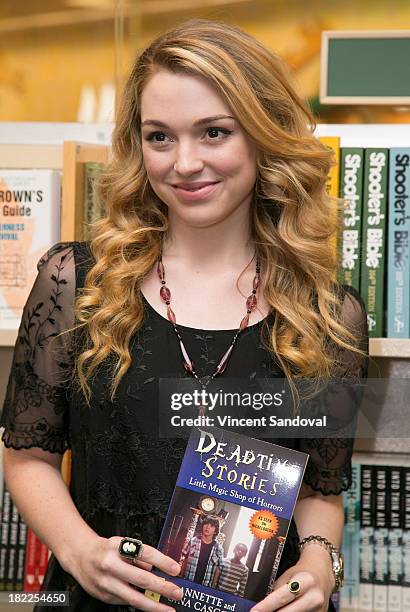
<point x="191" y="140"/>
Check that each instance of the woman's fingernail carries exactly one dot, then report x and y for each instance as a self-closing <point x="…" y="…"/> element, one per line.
<point x="177" y="593"/>
<point x="176" y="568"/>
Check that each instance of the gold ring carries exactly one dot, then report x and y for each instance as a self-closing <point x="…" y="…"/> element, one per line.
<point x="294" y="587"/>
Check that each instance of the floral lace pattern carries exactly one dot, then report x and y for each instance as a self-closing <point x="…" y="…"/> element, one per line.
<point x="123" y="474"/>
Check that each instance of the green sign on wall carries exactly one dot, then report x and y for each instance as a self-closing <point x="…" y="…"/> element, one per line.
<point x="365" y="67"/>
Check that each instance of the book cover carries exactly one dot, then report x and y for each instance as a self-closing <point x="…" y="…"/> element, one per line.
<point x="381" y="532"/>
<point x="395" y="541"/>
<point x="398" y="264"/>
<point x="29" y="225"/>
<point x="351" y="190"/>
<point x="349" y="594"/>
<point x="405" y="513"/>
<point x="367" y="510"/>
<point x="374" y="238"/>
<point x="228" y="518"/>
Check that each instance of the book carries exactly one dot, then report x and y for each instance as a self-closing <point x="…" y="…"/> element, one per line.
<point x="395" y="541"/>
<point x="29" y="225"/>
<point x="398" y="264"/>
<point x="31" y="582"/>
<point x="349" y="594"/>
<point x="367" y="510"/>
<point x="228" y="518"/>
<point x="5" y="536"/>
<point x="11" y="570"/>
<point x="381" y="532"/>
<point x="93" y="209"/>
<point x="333" y="179"/>
<point x="351" y="190"/>
<point x="405" y="513"/>
<point x="374" y="238"/>
<point x="21" y="554"/>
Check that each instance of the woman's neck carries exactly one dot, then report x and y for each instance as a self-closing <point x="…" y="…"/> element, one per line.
<point x="208" y="250"/>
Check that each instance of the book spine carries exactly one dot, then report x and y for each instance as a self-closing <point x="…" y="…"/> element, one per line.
<point x="21" y="555"/>
<point x="375" y="191"/>
<point x="405" y="513"/>
<point x="381" y="532"/>
<point x="366" y="539"/>
<point x="349" y="594"/>
<point x="351" y="190"/>
<point x="42" y="562"/>
<point x="398" y="266"/>
<point x="92" y="208"/>
<point x="13" y="543"/>
<point x="333" y="179"/>
<point x="5" y="537"/>
<point x="30" y="578"/>
<point x="395" y="541"/>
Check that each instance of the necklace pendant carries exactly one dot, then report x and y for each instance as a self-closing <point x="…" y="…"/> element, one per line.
<point x="205" y="381"/>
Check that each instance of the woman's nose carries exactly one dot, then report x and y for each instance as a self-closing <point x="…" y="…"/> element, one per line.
<point x="188" y="161"/>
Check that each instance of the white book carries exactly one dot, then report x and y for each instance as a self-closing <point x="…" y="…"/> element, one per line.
<point x="30" y="202"/>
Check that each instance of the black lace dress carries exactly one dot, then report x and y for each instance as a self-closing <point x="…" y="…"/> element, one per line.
<point x="123" y="475"/>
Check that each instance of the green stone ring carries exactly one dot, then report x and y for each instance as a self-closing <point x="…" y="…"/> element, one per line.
<point x="294" y="587"/>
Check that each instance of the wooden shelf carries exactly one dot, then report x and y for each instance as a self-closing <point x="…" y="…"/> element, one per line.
<point x="389" y="347"/>
<point x="8" y="337"/>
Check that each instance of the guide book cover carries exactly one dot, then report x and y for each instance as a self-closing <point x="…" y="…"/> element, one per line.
<point x="228" y="519"/>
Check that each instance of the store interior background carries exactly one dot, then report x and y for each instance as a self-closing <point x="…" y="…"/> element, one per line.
<point x="62" y="61"/>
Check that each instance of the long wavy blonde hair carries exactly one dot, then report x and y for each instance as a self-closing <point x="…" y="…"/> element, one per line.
<point x="291" y="218"/>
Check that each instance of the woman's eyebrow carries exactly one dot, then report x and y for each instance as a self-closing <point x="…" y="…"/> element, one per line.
<point x="199" y="122"/>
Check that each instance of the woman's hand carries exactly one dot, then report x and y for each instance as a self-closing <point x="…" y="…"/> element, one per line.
<point x="107" y="576"/>
<point x="314" y="573"/>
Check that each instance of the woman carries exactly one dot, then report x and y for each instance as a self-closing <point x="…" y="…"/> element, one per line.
<point x="217" y="188"/>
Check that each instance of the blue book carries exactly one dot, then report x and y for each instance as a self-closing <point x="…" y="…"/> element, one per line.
<point x="398" y="262"/>
<point x="228" y="519"/>
<point x="367" y="521"/>
<point x="349" y="595"/>
<point x="381" y="539"/>
<point x="395" y="544"/>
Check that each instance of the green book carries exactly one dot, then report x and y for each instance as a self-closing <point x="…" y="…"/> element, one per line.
<point x="351" y="190"/>
<point x="92" y="207"/>
<point x="374" y="237"/>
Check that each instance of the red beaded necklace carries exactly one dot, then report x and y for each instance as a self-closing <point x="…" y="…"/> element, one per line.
<point x="188" y="363"/>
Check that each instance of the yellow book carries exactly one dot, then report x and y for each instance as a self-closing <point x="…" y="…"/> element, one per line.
<point x="333" y="182"/>
<point x="66" y="467"/>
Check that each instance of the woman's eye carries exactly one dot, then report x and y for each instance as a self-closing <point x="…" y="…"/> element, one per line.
<point x="156" y="137"/>
<point x="213" y="133"/>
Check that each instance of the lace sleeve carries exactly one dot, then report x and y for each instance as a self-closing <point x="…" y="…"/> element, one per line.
<point x="35" y="407"/>
<point x="329" y="466"/>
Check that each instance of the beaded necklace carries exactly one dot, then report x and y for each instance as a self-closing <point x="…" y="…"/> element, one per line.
<point x="251" y="303"/>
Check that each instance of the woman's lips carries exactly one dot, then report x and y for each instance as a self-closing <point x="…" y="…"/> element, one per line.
<point x="198" y="194"/>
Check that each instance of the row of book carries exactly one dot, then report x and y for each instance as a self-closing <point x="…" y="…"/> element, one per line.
<point x="374" y="240"/>
<point x="23" y="557"/>
<point x="373" y="246"/>
<point x="376" y="540"/>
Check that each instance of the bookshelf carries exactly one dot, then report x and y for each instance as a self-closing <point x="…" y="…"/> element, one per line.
<point x="69" y="158"/>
